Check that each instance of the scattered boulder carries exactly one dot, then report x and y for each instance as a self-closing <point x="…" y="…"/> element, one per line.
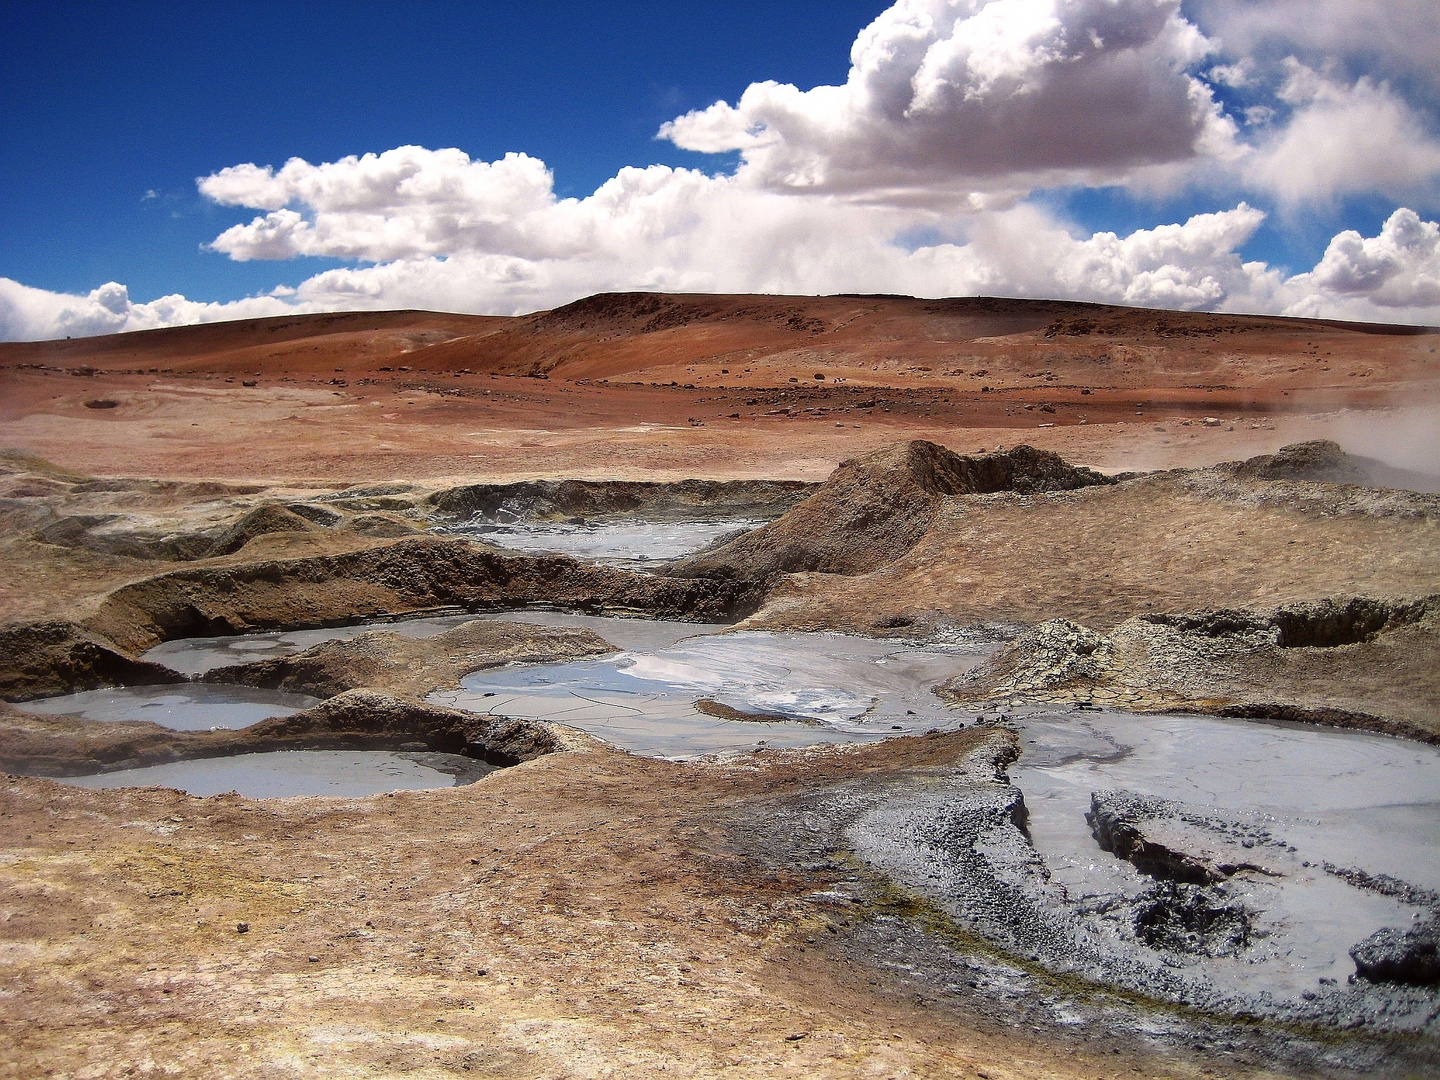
<point x="1410" y="956"/>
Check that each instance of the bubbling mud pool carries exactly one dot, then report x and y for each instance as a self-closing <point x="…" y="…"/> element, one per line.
<point x="728" y="693"/>
<point x="184" y="707"/>
<point x="285" y="773"/>
<point x="1317" y="839"/>
<point x="1270" y="852"/>
<point x="634" y="543"/>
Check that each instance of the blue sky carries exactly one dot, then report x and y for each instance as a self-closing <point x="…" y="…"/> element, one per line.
<point x="977" y="146"/>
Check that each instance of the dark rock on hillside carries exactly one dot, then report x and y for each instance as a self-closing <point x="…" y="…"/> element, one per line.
<point x="875" y="508"/>
<point x="42" y="659"/>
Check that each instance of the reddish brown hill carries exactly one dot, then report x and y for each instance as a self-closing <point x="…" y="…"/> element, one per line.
<point x="697" y="386"/>
<point x="870" y="340"/>
<point x="262" y="343"/>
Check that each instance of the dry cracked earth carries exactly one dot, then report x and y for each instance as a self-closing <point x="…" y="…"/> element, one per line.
<point x="1149" y="511"/>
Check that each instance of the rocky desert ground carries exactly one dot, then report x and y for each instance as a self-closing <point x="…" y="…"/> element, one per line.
<point x="1203" y="541"/>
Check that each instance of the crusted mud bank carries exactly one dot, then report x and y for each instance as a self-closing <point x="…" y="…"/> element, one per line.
<point x="542" y="500"/>
<point x="408" y="575"/>
<point x="410" y="667"/>
<point x="47" y="658"/>
<point x="965" y="911"/>
<point x="1362" y="662"/>
<point x="875" y="508"/>
<point x="355" y="720"/>
<point x="1175" y="541"/>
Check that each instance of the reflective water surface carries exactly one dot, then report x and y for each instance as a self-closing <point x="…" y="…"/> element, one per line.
<point x="1312" y="801"/>
<point x="771" y="689"/>
<point x="286" y="773"/>
<point x="180" y="707"/>
<point x="621" y="543"/>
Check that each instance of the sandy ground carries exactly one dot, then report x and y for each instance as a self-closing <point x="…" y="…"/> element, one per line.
<point x="590" y="914"/>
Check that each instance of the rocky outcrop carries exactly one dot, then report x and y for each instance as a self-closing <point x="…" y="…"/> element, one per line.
<point x="1320" y="460"/>
<point x="1394" y="955"/>
<point x="41" y="659"/>
<point x="875" y="508"/>
<point x="408" y="575"/>
<point x="413" y="667"/>
<point x="1365" y="662"/>
<point x="1323" y="461"/>
<point x="266" y="518"/>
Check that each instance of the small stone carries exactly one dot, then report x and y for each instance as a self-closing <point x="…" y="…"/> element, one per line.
<point x="796" y="1036"/>
<point x="313" y="959"/>
<point x="242" y="928"/>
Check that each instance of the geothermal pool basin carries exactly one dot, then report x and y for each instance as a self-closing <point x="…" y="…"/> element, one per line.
<point x="287" y="773"/>
<point x="633" y="543"/>
<point x="1323" y="814"/>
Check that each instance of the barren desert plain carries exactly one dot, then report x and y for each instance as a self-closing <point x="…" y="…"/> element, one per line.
<point x="848" y="686"/>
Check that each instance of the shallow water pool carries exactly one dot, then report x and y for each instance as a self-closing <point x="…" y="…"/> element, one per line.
<point x="198" y="655"/>
<point x="620" y="543"/>
<point x="286" y="773"/>
<point x="1308" y="806"/>
<point x="770" y="689"/>
<point x="180" y="707"/>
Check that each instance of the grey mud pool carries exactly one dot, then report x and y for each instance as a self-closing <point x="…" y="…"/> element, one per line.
<point x="286" y="773"/>
<point x="629" y="543"/>
<point x="1338" y="832"/>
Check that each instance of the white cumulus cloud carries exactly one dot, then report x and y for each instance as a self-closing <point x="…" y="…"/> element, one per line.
<point x="912" y="176"/>
<point x="1399" y="268"/>
<point x="946" y="97"/>
<point x="1345" y="139"/>
<point x="29" y="314"/>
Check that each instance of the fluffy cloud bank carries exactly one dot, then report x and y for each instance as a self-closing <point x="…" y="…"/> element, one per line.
<point x="914" y="176"/>
<point x="947" y="97"/>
